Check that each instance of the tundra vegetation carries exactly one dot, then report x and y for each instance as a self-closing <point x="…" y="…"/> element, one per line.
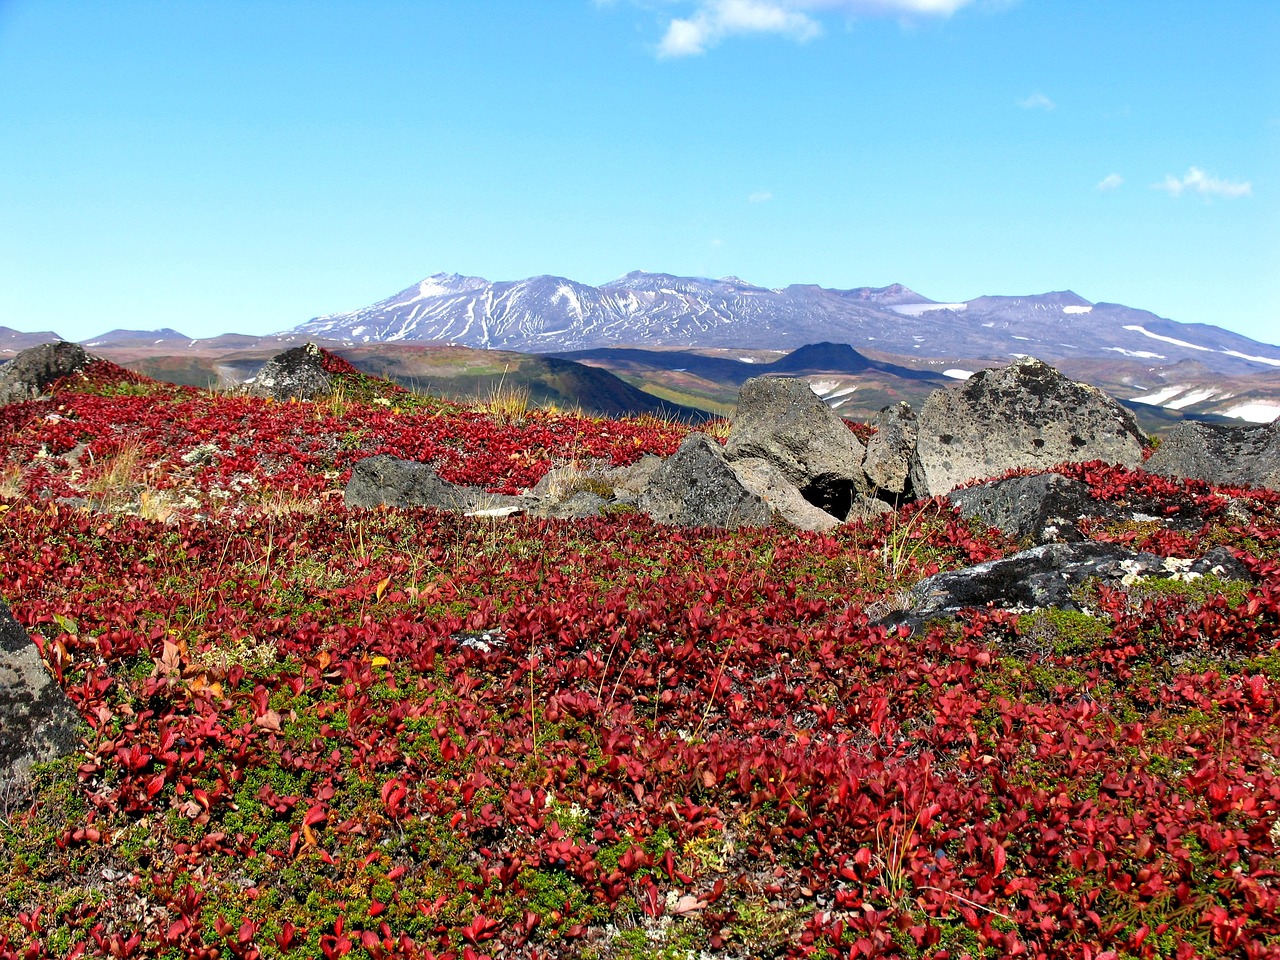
<point x="311" y="732"/>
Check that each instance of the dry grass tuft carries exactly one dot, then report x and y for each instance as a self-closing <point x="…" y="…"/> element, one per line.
<point x="508" y="402"/>
<point x="119" y="471"/>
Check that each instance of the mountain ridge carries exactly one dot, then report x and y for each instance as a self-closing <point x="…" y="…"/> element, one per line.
<point x="553" y="314"/>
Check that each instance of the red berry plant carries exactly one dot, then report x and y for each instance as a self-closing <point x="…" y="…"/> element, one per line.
<point x="314" y="732"/>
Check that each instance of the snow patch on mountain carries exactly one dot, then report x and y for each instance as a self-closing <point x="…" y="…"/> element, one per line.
<point x="1193" y="397"/>
<point x="1255" y="412"/>
<point x="1244" y="356"/>
<point x="1158" y="398"/>
<point x="1139" y="354"/>
<point x="550" y="314"/>
<point x="1138" y="328"/>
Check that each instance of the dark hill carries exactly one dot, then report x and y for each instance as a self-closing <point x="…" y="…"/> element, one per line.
<point x="811" y="358"/>
<point x="838" y="358"/>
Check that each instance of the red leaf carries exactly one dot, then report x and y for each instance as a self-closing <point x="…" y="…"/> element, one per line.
<point x="316" y="814"/>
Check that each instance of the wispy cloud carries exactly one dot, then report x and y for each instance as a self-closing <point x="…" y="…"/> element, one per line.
<point x="760" y="196"/>
<point x="713" y="21"/>
<point x="1196" y="180"/>
<point x="1037" y="101"/>
<point x="1110" y="181"/>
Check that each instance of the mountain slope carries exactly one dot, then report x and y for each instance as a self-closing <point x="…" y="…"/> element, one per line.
<point x="549" y="314"/>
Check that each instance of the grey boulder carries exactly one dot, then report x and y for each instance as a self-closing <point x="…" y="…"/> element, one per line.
<point x="38" y="723"/>
<point x="32" y="371"/>
<point x="695" y="487"/>
<point x="386" y="480"/>
<point x="783" y="497"/>
<point x="297" y="373"/>
<point x="887" y="463"/>
<point x="781" y="420"/>
<point x="1040" y="508"/>
<point x="1220" y="454"/>
<point x="1044" y="576"/>
<point x="1024" y="415"/>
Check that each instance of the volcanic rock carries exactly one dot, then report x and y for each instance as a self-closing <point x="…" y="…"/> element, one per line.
<point x="388" y="480"/>
<point x="1040" y="508"/>
<point x="781" y="420"/>
<point x="38" y="723"/>
<point x="1024" y="415"/>
<point x="297" y="373"/>
<point x="697" y="488"/>
<point x="1044" y="576"/>
<point x="1220" y="454"/>
<point x="630" y="482"/>
<point x="28" y="374"/>
<point x="887" y="463"/>
<point x="767" y="481"/>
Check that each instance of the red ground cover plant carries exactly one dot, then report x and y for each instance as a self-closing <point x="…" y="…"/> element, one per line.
<point x="320" y="733"/>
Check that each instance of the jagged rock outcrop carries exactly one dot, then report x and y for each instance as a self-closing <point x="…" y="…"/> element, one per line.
<point x="781" y="420"/>
<point x="32" y="371"/>
<point x="1024" y="415"/>
<point x="388" y="480"/>
<point x="1220" y="454"/>
<point x="38" y="723"/>
<point x="1041" y="508"/>
<point x="296" y="374"/>
<point x="697" y="488"/>
<point x="887" y="463"/>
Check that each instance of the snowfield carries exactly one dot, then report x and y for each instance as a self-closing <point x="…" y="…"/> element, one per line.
<point x="1254" y="412"/>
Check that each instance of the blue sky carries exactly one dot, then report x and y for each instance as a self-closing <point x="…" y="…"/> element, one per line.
<point x="245" y="165"/>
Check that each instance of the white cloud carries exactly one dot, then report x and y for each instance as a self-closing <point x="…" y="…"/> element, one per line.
<point x="1196" y="180"/>
<point x="1037" y="101"/>
<point x="760" y="196"/>
<point x="716" y="19"/>
<point x="889" y="7"/>
<point x="1110" y="181"/>
<point x="712" y="21"/>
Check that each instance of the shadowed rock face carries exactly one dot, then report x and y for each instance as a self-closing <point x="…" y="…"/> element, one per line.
<point x="37" y="721"/>
<point x="1024" y="415"/>
<point x="783" y="421"/>
<point x="295" y="374"/>
<point x="31" y="372"/>
<point x="1221" y="454"/>
<point x="768" y="483"/>
<point x="888" y="460"/>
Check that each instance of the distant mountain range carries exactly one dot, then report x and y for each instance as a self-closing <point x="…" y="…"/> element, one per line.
<point x="686" y="342"/>
<point x="554" y="314"/>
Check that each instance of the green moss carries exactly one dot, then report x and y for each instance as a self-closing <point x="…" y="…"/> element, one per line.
<point x="1064" y="632"/>
<point x="1196" y="590"/>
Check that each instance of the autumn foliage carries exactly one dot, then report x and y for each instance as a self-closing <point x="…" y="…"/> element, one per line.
<point x="320" y="733"/>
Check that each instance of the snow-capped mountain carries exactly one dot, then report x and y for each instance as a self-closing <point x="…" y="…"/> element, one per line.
<point x="551" y="314"/>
